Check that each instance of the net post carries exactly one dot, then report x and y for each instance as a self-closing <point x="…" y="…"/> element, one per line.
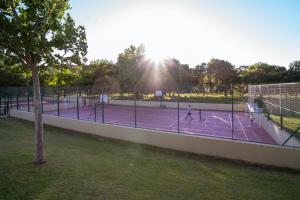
<point x="0" y="103"/>
<point x="178" y="114"/>
<point x="232" y="129"/>
<point x="102" y="105"/>
<point x="28" y="108"/>
<point x="77" y="104"/>
<point x="58" y="113"/>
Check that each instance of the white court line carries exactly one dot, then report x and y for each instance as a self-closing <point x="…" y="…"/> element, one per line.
<point x="221" y="119"/>
<point x="176" y="121"/>
<point x="230" y="120"/>
<point x="242" y="127"/>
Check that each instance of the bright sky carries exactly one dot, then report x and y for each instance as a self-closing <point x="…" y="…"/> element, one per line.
<point x="194" y="31"/>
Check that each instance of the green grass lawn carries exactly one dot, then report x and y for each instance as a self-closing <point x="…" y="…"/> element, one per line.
<point x="87" y="167"/>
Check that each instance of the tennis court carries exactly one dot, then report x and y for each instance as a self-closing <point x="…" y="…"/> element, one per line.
<point x="204" y="123"/>
<point x="275" y="108"/>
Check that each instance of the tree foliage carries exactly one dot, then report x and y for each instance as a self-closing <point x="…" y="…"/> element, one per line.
<point x="262" y="73"/>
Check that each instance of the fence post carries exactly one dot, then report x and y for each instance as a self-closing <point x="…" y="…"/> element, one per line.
<point x="280" y="108"/>
<point x="4" y="105"/>
<point x="178" y="113"/>
<point x="267" y="106"/>
<point x="28" y="108"/>
<point x="7" y="105"/>
<point x="102" y="105"/>
<point x="17" y="99"/>
<point x="58" y="113"/>
<point x="232" y="116"/>
<point x="8" y="101"/>
<point x="95" y="112"/>
<point x="134" y="108"/>
<point x="11" y="101"/>
<point x="77" y="103"/>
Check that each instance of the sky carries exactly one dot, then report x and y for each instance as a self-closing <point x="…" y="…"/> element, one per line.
<point x="242" y="32"/>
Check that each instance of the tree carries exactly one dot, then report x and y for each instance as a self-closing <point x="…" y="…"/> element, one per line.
<point x="60" y="75"/>
<point x="198" y="75"/>
<point x="130" y="67"/>
<point x="13" y="75"/>
<point x="220" y="71"/>
<point x="221" y="74"/>
<point x="98" y="72"/>
<point x="39" y="34"/>
<point x="262" y="73"/>
<point x="171" y="73"/>
<point x="294" y="71"/>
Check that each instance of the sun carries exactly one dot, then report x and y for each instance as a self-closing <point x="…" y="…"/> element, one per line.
<point x="155" y="57"/>
<point x="156" y="51"/>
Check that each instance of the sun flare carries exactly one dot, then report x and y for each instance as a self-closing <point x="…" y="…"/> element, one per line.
<point x="155" y="57"/>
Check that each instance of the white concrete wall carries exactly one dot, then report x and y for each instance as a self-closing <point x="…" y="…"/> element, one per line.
<point x="278" y="134"/>
<point x="245" y="151"/>
<point x="207" y="106"/>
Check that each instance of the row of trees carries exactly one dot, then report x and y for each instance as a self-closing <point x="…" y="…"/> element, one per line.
<point x="134" y="70"/>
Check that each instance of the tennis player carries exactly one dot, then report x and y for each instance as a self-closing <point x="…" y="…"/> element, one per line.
<point x="189" y="113"/>
<point x="251" y="118"/>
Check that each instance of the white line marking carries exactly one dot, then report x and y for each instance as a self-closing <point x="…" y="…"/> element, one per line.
<point x="176" y="121"/>
<point x="230" y="120"/>
<point x="242" y="127"/>
<point x="221" y="119"/>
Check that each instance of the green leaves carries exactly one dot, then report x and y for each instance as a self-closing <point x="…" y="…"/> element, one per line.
<point x="220" y="71"/>
<point x="41" y="32"/>
<point x="263" y="73"/>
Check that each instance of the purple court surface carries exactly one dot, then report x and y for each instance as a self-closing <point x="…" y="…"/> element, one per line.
<point x="212" y="123"/>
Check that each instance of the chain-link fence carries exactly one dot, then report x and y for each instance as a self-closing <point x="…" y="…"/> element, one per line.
<point x="214" y="110"/>
<point x="280" y="103"/>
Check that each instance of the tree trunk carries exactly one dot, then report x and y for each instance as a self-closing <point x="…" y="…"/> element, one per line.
<point x="39" y="137"/>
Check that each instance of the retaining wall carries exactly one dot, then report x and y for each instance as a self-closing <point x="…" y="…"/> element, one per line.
<point x="279" y="135"/>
